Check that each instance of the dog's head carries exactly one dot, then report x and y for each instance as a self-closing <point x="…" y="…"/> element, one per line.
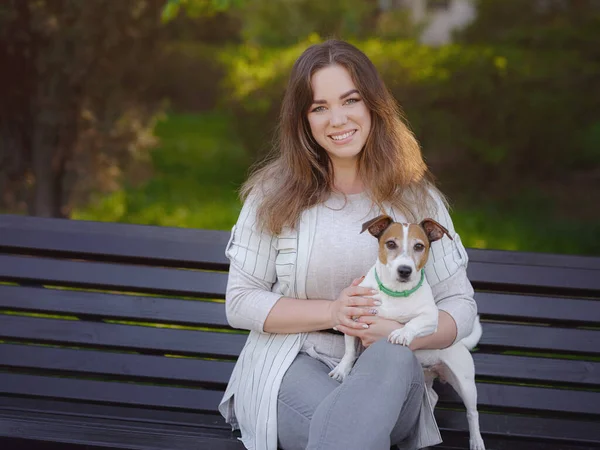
<point x="404" y="247"/>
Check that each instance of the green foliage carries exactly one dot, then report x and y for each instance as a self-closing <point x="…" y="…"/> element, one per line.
<point x="196" y="8"/>
<point x="286" y="22"/>
<point x="198" y="166"/>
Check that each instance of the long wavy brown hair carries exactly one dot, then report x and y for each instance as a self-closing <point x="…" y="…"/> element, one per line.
<point x="298" y="173"/>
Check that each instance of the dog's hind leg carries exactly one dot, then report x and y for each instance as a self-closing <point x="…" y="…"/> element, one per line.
<point x="458" y="369"/>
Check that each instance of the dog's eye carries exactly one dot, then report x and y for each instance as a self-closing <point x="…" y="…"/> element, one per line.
<point x="419" y="247"/>
<point x="391" y="245"/>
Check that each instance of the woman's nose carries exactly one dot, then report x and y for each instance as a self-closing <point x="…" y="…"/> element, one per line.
<point x="338" y="118"/>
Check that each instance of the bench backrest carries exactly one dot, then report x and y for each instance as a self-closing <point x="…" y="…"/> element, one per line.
<point x="129" y="319"/>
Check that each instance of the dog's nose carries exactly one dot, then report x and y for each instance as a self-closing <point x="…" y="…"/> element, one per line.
<point x="404" y="271"/>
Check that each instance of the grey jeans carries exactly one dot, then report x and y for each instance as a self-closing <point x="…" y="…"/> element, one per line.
<point x="376" y="406"/>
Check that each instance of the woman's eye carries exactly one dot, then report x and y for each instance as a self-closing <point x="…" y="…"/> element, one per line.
<point x="391" y="245"/>
<point x="419" y="247"/>
<point x="318" y="109"/>
<point x="352" y="100"/>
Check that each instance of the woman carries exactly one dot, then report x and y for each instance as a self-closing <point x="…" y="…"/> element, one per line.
<point x="343" y="157"/>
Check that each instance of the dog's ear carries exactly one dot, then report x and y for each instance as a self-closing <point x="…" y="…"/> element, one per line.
<point x="434" y="230"/>
<point x="377" y="225"/>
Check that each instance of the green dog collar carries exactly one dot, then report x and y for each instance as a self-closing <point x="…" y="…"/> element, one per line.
<point x="391" y="293"/>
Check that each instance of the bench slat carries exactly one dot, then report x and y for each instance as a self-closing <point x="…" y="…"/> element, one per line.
<point x="108" y="276"/>
<point x="518" y="337"/>
<point x="520" y="426"/>
<point x="192" y="370"/>
<point x="538" y="308"/>
<point x="533" y="259"/>
<point x="179" y="247"/>
<point x="125" y="337"/>
<point x="89" y="362"/>
<point x="537" y="369"/>
<point x="107" y="433"/>
<point x="492" y="424"/>
<point x="112" y="411"/>
<point x="23" y="298"/>
<point x="527" y="397"/>
<point x="534" y="278"/>
<point x="529" y="337"/>
<point x="150" y="309"/>
<point x="489" y="395"/>
<point x="110" y="392"/>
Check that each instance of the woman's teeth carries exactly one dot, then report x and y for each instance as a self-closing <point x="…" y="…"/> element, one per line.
<point x="341" y="137"/>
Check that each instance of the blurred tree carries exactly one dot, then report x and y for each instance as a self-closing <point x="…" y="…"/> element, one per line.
<point x="286" y="22"/>
<point x="74" y="107"/>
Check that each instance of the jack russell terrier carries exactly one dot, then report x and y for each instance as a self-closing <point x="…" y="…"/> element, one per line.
<point x="406" y="297"/>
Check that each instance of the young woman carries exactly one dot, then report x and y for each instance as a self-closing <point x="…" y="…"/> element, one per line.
<point x="343" y="156"/>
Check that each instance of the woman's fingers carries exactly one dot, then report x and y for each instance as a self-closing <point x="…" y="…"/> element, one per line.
<point x="353" y="291"/>
<point x="358" y="312"/>
<point x="362" y="301"/>
<point x="355" y="325"/>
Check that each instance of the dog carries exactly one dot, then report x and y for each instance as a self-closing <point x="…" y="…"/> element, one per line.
<point x="406" y="297"/>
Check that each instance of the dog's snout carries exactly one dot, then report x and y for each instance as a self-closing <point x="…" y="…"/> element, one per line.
<point x="404" y="271"/>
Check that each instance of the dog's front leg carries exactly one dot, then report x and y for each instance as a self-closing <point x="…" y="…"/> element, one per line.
<point x="342" y="370"/>
<point x="422" y="325"/>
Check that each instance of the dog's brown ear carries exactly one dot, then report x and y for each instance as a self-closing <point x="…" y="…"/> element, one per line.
<point x="377" y="225"/>
<point x="434" y="230"/>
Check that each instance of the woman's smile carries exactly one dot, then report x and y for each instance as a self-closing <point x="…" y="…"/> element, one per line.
<point x="342" y="137"/>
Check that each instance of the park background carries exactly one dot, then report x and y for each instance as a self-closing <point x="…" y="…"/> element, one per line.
<point x="152" y="111"/>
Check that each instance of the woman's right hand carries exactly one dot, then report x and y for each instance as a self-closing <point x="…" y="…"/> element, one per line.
<point x="352" y="303"/>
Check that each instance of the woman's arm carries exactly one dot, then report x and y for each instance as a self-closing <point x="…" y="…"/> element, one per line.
<point x="249" y="301"/>
<point x="291" y="315"/>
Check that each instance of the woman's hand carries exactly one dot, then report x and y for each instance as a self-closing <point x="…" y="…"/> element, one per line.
<point x="379" y="328"/>
<point x="352" y="304"/>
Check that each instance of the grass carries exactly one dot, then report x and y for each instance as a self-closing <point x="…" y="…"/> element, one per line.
<point x="200" y="163"/>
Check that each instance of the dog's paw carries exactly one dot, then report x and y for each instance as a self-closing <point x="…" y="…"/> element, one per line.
<point x="476" y="443"/>
<point x="340" y="372"/>
<point x="402" y="336"/>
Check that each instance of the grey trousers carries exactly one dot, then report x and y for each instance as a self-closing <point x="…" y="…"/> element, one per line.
<point x="377" y="406"/>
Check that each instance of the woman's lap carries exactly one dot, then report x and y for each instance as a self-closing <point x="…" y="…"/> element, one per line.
<point x="384" y="377"/>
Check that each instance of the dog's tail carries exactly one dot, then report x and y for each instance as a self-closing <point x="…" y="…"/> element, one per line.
<point x="472" y="340"/>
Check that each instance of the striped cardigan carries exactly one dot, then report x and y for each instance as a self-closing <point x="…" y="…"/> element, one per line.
<point x="264" y="268"/>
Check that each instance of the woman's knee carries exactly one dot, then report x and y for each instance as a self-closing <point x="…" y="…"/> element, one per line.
<point x="392" y="359"/>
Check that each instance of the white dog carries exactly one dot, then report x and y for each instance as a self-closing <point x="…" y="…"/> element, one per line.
<point x="406" y="297"/>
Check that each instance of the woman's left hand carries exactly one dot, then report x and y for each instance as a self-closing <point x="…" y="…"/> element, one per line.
<point x="379" y="328"/>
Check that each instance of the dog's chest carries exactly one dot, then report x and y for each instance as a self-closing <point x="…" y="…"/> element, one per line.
<point x="403" y="309"/>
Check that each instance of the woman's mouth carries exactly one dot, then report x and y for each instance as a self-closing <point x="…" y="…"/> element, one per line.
<point x="342" y="137"/>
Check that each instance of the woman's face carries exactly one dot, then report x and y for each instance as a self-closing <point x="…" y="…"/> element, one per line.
<point x="339" y="119"/>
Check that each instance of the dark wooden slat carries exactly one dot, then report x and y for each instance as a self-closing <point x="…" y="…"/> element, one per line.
<point x="537" y="369"/>
<point x="538" y="308"/>
<point x="110" y="392"/>
<point x="533" y="277"/>
<point x="528" y="398"/>
<point x="526" y="337"/>
<point x="520" y="426"/>
<point x="109" y="276"/>
<point x="115" y="434"/>
<point x="114" y="306"/>
<point x="183" y="369"/>
<point x="460" y="441"/>
<point x="171" y="246"/>
<point x="88" y="362"/>
<point x="83" y="410"/>
<point x="533" y="259"/>
<point x="125" y="337"/>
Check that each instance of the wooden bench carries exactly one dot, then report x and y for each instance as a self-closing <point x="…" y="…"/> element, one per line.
<point x="114" y="335"/>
